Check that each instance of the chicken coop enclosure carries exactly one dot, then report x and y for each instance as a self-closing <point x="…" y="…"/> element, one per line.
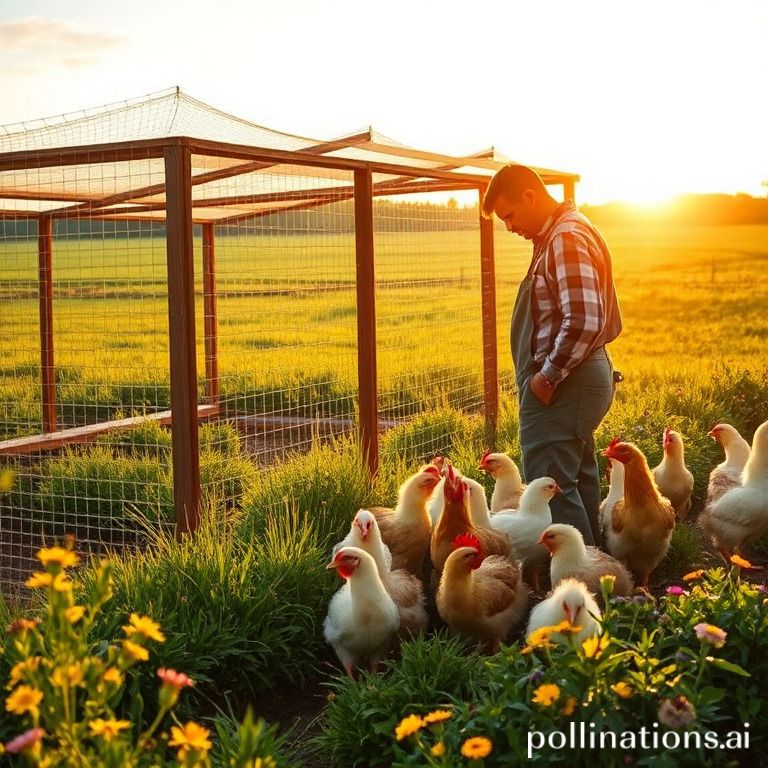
<point x="185" y="295"/>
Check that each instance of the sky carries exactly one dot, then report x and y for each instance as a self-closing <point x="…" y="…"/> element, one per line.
<point x="645" y="100"/>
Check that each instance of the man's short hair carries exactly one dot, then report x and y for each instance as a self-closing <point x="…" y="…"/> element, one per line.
<point x="511" y="181"/>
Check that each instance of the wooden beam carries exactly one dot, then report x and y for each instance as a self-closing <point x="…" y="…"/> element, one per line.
<point x="45" y="283"/>
<point x="21" y="446"/>
<point x="490" y="344"/>
<point x="210" y="318"/>
<point x="181" y="327"/>
<point x="366" y="320"/>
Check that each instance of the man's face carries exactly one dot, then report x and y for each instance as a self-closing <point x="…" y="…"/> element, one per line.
<point x="519" y="216"/>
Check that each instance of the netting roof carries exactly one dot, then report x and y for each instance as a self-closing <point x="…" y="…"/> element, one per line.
<point x="69" y="165"/>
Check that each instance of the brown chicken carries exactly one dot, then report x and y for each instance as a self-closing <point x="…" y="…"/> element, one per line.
<point x="407" y="528"/>
<point x="481" y="597"/>
<point x="456" y="519"/>
<point x="640" y="526"/>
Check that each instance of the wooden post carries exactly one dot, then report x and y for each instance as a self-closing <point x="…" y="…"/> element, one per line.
<point x="490" y="345"/>
<point x="210" y="318"/>
<point x="569" y="190"/>
<point x="181" y="327"/>
<point x="366" y="319"/>
<point x="45" y="290"/>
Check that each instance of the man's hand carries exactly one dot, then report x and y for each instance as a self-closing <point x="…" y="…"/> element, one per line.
<point x="543" y="389"/>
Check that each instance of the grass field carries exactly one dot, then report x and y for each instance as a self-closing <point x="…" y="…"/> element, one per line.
<point x="692" y="298"/>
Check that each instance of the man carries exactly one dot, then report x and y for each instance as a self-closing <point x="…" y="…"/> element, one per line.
<point x="565" y="313"/>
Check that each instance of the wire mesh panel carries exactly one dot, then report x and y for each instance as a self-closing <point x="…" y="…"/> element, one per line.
<point x="280" y="320"/>
<point x="429" y="320"/>
<point x="84" y="330"/>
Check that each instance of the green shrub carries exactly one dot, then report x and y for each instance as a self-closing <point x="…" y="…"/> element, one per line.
<point x="360" y="719"/>
<point x="429" y="434"/>
<point x="326" y="486"/>
<point x="238" y="616"/>
<point x="658" y="666"/>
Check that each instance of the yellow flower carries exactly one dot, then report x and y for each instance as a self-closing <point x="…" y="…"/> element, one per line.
<point x="24" y="699"/>
<point x="69" y="675"/>
<point x="693" y="575"/>
<point x="62" y="582"/>
<point x="438" y="750"/>
<point x="438" y="716"/>
<point x="740" y="562"/>
<point x="20" y="669"/>
<point x="38" y="580"/>
<point x="74" y="614"/>
<point x="112" y="676"/>
<point x="566" y="628"/>
<point x="546" y="694"/>
<point x="539" y="638"/>
<point x="477" y="747"/>
<point x="594" y="646"/>
<point x="622" y="689"/>
<point x="569" y="706"/>
<point x="6" y="483"/>
<point x="190" y="737"/>
<point x="134" y="651"/>
<point x="144" y="626"/>
<point x="108" y="729"/>
<point x="58" y="556"/>
<point x="408" y="726"/>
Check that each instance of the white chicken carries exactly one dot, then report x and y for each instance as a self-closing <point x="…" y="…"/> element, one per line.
<point x="509" y="485"/>
<point x="615" y="493"/>
<point x="570" y="601"/>
<point x="740" y="515"/>
<point x="403" y="587"/>
<point x="727" y="474"/>
<point x="673" y="478"/>
<point x="571" y="558"/>
<point x="436" y="500"/>
<point x="362" y="620"/>
<point x="525" y="525"/>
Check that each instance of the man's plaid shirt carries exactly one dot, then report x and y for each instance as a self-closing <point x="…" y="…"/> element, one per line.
<point x="573" y="298"/>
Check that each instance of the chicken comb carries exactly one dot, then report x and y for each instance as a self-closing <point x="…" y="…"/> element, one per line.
<point x="616" y="440"/>
<point x="485" y="455"/>
<point x="431" y="469"/>
<point x="438" y="462"/>
<point x="467" y="540"/>
<point x="451" y="474"/>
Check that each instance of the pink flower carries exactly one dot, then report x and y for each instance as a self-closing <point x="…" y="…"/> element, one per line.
<point x="709" y="633"/>
<point x="27" y="739"/>
<point x="174" y="679"/>
<point x="676" y="591"/>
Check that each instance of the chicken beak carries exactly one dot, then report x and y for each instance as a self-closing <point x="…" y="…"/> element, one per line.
<point x="712" y="434"/>
<point x="332" y="564"/>
<point x="558" y="489"/>
<point x="544" y="542"/>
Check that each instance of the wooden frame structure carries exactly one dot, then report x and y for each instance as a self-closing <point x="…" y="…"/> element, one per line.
<point x="189" y="164"/>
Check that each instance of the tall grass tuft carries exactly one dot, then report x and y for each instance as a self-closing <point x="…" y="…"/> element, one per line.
<point x="324" y="487"/>
<point x="359" y="722"/>
<point x="239" y="616"/>
<point x="429" y="434"/>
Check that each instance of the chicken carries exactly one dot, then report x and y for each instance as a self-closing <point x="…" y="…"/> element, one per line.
<point x="362" y="620"/>
<point x="673" y="478"/>
<point x="640" y="526"/>
<point x="480" y="597"/>
<point x="525" y="525"/>
<point x="615" y="492"/>
<point x="740" y="515"/>
<point x="403" y="587"/>
<point x="406" y="529"/>
<point x="571" y="558"/>
<point x="570" y="601"/>
<point x="509" y="485"/>
<point x="727" y="474"/>
<point x="456" y="520"/>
